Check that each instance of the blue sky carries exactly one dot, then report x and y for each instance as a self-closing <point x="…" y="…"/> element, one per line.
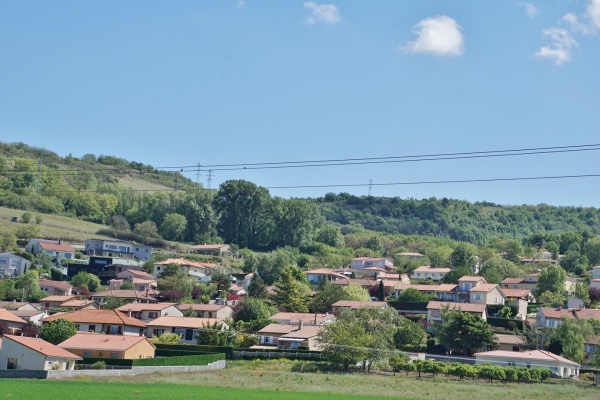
<point x="221" y="82"/>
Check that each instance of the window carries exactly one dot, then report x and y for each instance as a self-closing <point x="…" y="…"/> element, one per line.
<point x="114" y="355"/>
<point x="146" y="250"/>
<point x="515" y="286"/>
<point x="511" y="363"/>
<point x="11" y="363"/>
<point x="153" y="315"/>
<point x="87" y="354"/>
<point x="436" y="313"/>
<point x="92" y="328"/>
<point x="477" y="297"/>
<point x="266" y="339"/>
<point x="528" y="365"/>
<point x="158" y="332"/>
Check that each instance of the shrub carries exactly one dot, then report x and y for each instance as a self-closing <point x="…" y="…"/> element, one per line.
<point x="26" y="217"/>
<point x="99" y="365"/>
<point x="38" y="219"/>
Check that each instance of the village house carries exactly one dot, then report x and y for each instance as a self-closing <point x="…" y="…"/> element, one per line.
<point x="52" y="302"/>
<point x="110" y="322"/>
<point x="424" y="272"/>
<point x="20" y="352"/>
<point x="117" y="248"/>
<point x="187" y="327"/>
<point x="465" y="284"/>
<point x="362" y="282"/>
<point x="509" y="342"/>
<point x="97" y="345"/>
<point x="361" y="263"/>
<point x="216" y="311"/>
<point x="17" y="305"/>
<point x="410" y="256"/>
<point x="288" y="336"/>
<point x="13" y="265"/>
<point x="13" y="322"/>
<point x="35" y="317"/>
<point x="129" y="295"/>
<point x="219" y="250"/>
<point x="436" y="308"/>
<point x="355" y="305"/>
<point x="529" y="282"/>
<point x="530" y="359"/>
<point x="305" y="319"/>
<point x="486" y="293"/>
<point x="76" y="304"/>
<point x="551" y="317"/>
<point x="149" y="312"/>
<point x="443" y="292"/>
<point x="55" y="288"/>
<point x="316" y="276"/>
<point x="140" y="279"/>
<point x="198" y="271"/>
<point x="57" y="251"/>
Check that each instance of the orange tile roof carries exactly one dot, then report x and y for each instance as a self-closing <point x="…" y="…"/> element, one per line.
<point x="42" y="347"/>
<point x="509" y="339"/>
<point x="78" y="303"/>
<point x="137" y="274"/>
<point x="558" y="313"/>
<point x="57" y="247"/>
<point x="540" y="355"/>
<point x="56" y="284"/>
<point x="471" y="278"/>
<point x="301" y="317"/>
<point x="88" y="316"/>
<point x="587" y="313"/>
<point x="58" y="299"/>
<point x="518" y="293"/>
<point x="99" y="341"/>
<point x="305" y="332"/>
<point x="485" y="287"/>
<point x="6" y="315"/>
<point x="509" y="281"/>
<point x="125" y="294"/>
<point x="278" y="328"/>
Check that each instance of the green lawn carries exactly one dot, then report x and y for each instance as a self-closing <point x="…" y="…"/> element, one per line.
<point x="65" y="390"/>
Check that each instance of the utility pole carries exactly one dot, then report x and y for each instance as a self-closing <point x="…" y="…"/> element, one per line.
<point x="209" y="179"/>
<point x="198" y="173"/>
<point x="370" y="186"/>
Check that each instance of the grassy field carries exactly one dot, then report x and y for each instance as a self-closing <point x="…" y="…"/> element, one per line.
<point x="274" y="378"/>
<point x="134" y="183"/>
<point x="49" y="390"/>
<point x="54" y="226"/>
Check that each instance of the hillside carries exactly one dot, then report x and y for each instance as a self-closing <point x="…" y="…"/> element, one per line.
<point x="113" y="191"/>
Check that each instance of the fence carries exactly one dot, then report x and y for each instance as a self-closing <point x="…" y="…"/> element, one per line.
<point x="228" y="350"/>
<point x="134" y="370"/>
<point x="293" y="355"/>
<point x="178" y="360"/>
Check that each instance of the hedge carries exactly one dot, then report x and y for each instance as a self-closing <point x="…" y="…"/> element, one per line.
<point x="197" y="359"/>
<point x="228" y="350"/>
<point x="495" y="308"/>
<point x="175" y="353"/>
<point x="506" y="323"/>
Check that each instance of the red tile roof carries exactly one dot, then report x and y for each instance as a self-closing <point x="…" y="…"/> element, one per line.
<point x="42" y="347"/>
<point x="540" y="355"/>
<point x="56" y="284"/>
<point x="557" y="313"/>
<point x="57" y="247"/>
<point x="6" y="315"/>
<point x="88" y="316"/>
<point x="509" y="281"/>
<point x="99" y="341"/>
<point x="516" y="293"/>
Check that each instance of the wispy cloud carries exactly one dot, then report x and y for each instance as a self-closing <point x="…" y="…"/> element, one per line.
<point x="322" y="13"/>
<point x="439" y="35"/>
<point x="592" y="12"/>
<point x="559" y="51"/>
<point x="589" y="22"/>
<point x="530" y="9"/>
<point x="240" y="3"/>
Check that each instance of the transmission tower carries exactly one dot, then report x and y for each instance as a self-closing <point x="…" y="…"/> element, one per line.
<point x="209" y="179"/>
<point x="370" y="186"/>
<point x="198" y="173"/>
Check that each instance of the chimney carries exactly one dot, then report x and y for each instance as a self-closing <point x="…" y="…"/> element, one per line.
<point x="300" y="325"/>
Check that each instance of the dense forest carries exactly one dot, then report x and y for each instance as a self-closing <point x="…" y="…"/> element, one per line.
<point x="93" y="188"/>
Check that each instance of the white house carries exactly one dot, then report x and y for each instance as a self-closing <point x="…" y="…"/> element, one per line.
<point x="149" y="312"/>
<point x="435" y="274"/>
<point x="57" y="251"/>
<point x="530" y="359"/>
<point x="117" y="248"/>
<point x="13" y="265"/>
<point x="198" y="271"/>
<point x="361" y="263"/>
<point x="20" y="352"/>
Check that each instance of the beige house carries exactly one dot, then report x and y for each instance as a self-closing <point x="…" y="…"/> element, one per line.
<point x="435" y="309"/>
<point x="57" y="251"/>
<point x="217" y="311"/>
<point x="486" y="293"/>
<point x="306" y="319"/>
<point x="13" y="322"/>
<point x="97" y="345"/>
<point x="140" y="279"/>
<point x="509" y="342"/>
<point x="211" y="249"/>
<point x="197" y="271"/>
<point x="110" y="322"/>
<point x="527" y="283"/>
<point x="52" y="302"/>
<point x="530" y="359"/>
<point x="187" y="327"/>
<point x="20" y="352"/>
<point x="435" y="274"/>
<point x="443" y="292"/>
<point x="129" y="295"/>
<point x="150" y="312"/>
<point x="76" y="304"/>
<point x="289" y="336"/>
<point x="17" y="305"/>
<point x="55" y="288"/>
<point x="355" y="305"/>
<point x="361" y="263"/>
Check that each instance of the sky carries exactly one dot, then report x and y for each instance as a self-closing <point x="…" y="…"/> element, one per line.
<point x="220" y="82"/>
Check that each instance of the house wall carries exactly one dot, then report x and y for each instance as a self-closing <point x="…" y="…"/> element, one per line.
<point x="11" y="264"/>
<point x="126" y="330"/>
<point x="596" y="272"/>
<point x="97" y="353"/>
<point x="143" y="349"/>
<point x="104" y="247"/>
<point x="522" y="305"/>
<point x="563" y="370"/>
<point x="492" y="297"/>
<point x="30" y="359"/>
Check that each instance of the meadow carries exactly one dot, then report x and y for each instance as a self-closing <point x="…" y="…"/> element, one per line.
<point x="275" y="380"/>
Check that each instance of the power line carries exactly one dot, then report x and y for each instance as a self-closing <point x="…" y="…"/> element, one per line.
<point x="390" y="157"/>
<point x="529" y="178"/>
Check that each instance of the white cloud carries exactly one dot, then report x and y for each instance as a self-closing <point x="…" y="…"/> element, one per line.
<point x="530" y="9"/>
<point x="560" y="49"/>
<point x="575" y="24"/>
<point x="439" y="35"/>
<point x="322" y="13"/>
<point x="593" y="13"/>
